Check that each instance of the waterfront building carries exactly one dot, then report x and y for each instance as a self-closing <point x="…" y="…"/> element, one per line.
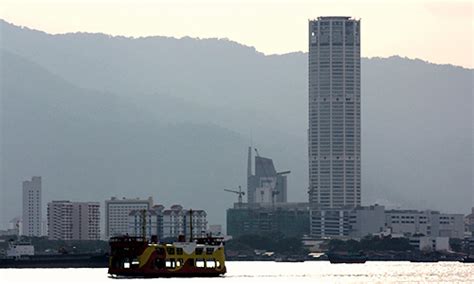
<point x="375" y="220"/>
<point x="19" y="249"/>
<point x="427" y="223"/>
<point x="289" y="219"/>
<point x="32" y="213"/>
<point x="334" y="114"/>
<point x="469" y="221"/>
<point x="330" y="223"/>
<point x="366" y="220"/>
<point x="176" y="222"/>
<point x="429" y="244"/>
<point x="73" y="220"/>
<point x="266" y="185"/>
<point x="117" y="213"/>
<point x="153" y="222"/>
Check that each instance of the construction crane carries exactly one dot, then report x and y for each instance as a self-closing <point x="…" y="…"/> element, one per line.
<point x="240" y="193"/>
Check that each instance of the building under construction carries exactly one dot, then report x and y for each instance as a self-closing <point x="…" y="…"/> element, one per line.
<point x="266" y="185"/>
<point x="267" y="210"/>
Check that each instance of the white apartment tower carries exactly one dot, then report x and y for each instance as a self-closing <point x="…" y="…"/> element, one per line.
<point x="32" y="217"/>
<point x="334" y="112"/>
<point x="73" y="220"/>
<point x="117" y="212"/>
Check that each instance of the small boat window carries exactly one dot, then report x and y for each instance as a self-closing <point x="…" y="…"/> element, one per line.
<point x="160" y="263"/>
<point x="170" y="250"/>
<point x="199" y="251"/>
<point x="171" y="263"/>
<point x="218" y="264"/>
<point x="179" y="262"/>
<point x="160" y="250"/>
<point x="126" y="264"/>
<point x="210" y="263"/>
<point x="200" y="263"/>
<point x="179" y="251"/>
<point x="135" y="263"/>
<point x="209" y="250"/>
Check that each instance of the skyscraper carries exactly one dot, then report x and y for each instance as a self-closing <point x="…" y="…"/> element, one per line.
<point x="334" y="112"/>
<point x="32" y="216"/>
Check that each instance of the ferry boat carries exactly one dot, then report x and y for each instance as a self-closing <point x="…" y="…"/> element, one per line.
<point x="138" y="257"/>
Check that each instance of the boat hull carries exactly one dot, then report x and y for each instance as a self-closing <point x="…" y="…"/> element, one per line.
<point x="333" y="258"/>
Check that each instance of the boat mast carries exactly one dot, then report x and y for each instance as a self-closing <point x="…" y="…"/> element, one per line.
<point x="144" y="224"/>
<point x="190" y="225"/>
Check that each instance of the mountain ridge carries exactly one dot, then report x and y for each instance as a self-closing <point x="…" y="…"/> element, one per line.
<point x="216" y="39"/>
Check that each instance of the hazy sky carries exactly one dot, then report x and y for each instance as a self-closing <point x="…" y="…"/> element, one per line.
<point x="436" y="31"/>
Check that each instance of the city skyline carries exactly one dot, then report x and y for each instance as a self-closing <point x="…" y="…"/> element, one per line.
<point x="129" y="133"/>
<point x="55" y="189"/>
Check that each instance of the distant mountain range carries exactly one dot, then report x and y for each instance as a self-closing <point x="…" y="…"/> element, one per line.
<point x="100" y="116"/>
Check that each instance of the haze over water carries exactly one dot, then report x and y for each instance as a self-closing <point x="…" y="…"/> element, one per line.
<point x="273" y="272"/>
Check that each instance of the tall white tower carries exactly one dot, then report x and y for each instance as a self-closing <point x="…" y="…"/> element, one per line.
<point x="334" y="112"/>
<point x="32" y="214"/>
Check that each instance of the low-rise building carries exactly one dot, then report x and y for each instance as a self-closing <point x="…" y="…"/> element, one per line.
<point x="427" y="223"/>
<point x="430" y="243"/>
<point x="20" y="249"/>
<point x="371" y="220"/>
<point x="289" y="219"/>
<point x="366" y="220"/>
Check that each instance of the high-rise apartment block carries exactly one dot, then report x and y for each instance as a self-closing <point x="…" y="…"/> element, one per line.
<point x="73" y="220"/>
<point x="176" y="221"/>
<point x="32" y="214"/>
<point x="117" y="213"/>
<point x="334" y="113"/>
<point x="146" y="222"/>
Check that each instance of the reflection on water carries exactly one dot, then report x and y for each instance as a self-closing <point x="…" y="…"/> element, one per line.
<point x="274" y="272"/>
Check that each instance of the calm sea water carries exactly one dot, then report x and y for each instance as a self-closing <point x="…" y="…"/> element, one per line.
<point x="273" y="272"/>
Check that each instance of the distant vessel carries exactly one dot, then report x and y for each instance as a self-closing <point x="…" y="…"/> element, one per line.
<point x="289" y="259"/>
<point x="468" y="259"/>
<point x="137" y="257"/>
<point x="21" y="255"/>
<point x="83" y="260"/>
<point x="425" y="258"/>
<point x="346" y="258"/>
